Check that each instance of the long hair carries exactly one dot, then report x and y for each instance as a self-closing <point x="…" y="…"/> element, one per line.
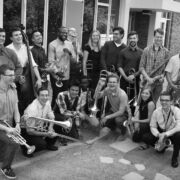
<point x="90" y="40"/>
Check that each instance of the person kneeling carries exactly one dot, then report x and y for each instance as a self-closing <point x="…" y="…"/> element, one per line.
<point x="165" y="127"/>
<point x="38" y="132"/>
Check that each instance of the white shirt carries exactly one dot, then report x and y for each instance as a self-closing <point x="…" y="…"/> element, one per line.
<point x="22" y="54"/>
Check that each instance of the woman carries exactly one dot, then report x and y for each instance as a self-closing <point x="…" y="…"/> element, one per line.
<point x="142" y="117"/>
<point x="91" y="57"/>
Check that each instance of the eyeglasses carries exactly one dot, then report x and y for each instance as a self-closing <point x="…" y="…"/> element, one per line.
<point x="165" y="100"/>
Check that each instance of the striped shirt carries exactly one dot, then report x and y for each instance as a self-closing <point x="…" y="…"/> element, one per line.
<point x="151" y="59"/>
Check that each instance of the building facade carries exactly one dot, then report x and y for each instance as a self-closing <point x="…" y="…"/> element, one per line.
<point x="140" y="15"/>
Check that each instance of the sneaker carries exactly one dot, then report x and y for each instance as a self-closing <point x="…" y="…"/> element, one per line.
<point x="9" y="173"/>
<point x="52" y="148"/>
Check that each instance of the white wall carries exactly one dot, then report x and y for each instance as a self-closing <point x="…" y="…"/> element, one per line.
<point x="1" y="13"/>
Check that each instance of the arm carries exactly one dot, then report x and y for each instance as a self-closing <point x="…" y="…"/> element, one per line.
<point x="103" y="56"/>
<point x="51" y="53"/>
<point x="153" y="125"/>
<point x="36" y="72"/>
<point x="85" y="58"/>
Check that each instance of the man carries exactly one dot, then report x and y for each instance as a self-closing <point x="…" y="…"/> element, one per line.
<point x="66" y="107"/>
<point x="129" y="59"/>
<point x="25" y="88"/>
<point x="154" y="56"/>
<point x="34" y="135"/>
<point x="165" y="123"/>
<point x="111" y="50"/>
<point x="55" y="53"/>
<point x="8" y="56"/>
<point x="8" y="96"/>
<point x="39" y="55"/>
<point x="115" y="108"/>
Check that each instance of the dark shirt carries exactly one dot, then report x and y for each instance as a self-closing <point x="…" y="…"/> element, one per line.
<point x="94" y="57"/>
<point x="39" y="57"/>
<point x="8" y="56"/>
<point x="109" y="54"/>
<point x="129" y="59"/>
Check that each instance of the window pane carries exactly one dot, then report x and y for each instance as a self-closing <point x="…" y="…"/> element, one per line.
<point x="55" y="18"/>
<point x="11" y="16"/>
<point x="114" y="15"/>
<point x="35" y="16"/>
<point x="103" y="1"/>
<point x="102" y="19"/>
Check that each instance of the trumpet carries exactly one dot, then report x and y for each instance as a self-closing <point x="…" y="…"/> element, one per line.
<point x="65" y="124"/>
<point x="159" y="146"/>
<point x="20" y="140"/>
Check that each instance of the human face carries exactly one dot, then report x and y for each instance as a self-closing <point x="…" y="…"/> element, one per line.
<point x="8" y="77"/>
<point x="117" y="37"/>
<point x="158" y="39"/>
<point x="2" y="38"/>
<point x="62" y="35"/>
<point x="112" y="83"/>
<point x="95" y="37"/>
<point x="37" y="38"/>
<point x="165" y="101"/>
<point x="133" y="41"/>
<point x="74" y="91"/>
<point x="145" y="94"/>
<point x="43" y="97"/>
<point x="17" y="37"/>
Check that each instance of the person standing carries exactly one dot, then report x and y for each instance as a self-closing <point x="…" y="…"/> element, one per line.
<point x="55" y="53"/>
<point x="91" y="56"/>
<point x="9" y="57"/>
<point x="128" y="65"/>
<point x="152" y="57"/>
<point x="111" y="50"/>
<point x="26" y="87"/>
<point x="39" y="55"/>
<point x="8" y="96"/>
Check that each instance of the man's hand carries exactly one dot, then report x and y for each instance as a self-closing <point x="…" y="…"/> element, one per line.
<point x="51" y="134"/>
<point x="161" y="137"/>
<point x="38" y="84"/>
<point x="150" y="80"/>
<point x="103" y="120"/>
<point x="130" y="78"/>
<point x="11" y="130"/>
<point x="18" y="128"/>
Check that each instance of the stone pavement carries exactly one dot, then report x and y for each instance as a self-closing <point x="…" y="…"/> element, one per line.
<point x="98" y="162"/>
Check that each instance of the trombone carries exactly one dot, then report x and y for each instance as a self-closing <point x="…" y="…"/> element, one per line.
<point x="20" y="140"/>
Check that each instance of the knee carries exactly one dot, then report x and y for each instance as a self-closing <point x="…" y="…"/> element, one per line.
<point x="104" y="131"/>
<point x="94" y="122"/>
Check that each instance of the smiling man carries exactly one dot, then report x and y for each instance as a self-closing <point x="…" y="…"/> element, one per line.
<point x="111" y="49"/>
<point x="129" y="59"/>
<point x="165" y="123"/>
<point x="116" y="107"/>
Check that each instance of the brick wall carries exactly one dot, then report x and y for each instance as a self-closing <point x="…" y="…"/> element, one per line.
<point x="174" y="41"/>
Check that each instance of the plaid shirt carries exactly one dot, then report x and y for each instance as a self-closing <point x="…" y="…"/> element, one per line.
<point x="150" y="60"/>
<point x="62" y="104"/>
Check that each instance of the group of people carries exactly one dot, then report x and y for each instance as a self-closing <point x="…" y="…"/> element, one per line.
<point x="112" y="78"/>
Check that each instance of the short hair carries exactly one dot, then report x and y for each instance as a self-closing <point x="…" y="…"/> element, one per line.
<point x="2" y="30"/>
<point x="62" y="27"/>
<point x="74" y="82"/>
<point x="131" y="33"/>
<point x="120" y="29"/>
<point x="166" y="93"/>
<point x="42" y="89"/>
<point x="13" y="30"/>
<point x="159" y="30"/>
<point x="34" y="31"/>
<point x="4" y="68"/>
<point x="113" y="75"/>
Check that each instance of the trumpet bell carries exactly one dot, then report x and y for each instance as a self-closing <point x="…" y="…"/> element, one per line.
<point x="31" y="149"/>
